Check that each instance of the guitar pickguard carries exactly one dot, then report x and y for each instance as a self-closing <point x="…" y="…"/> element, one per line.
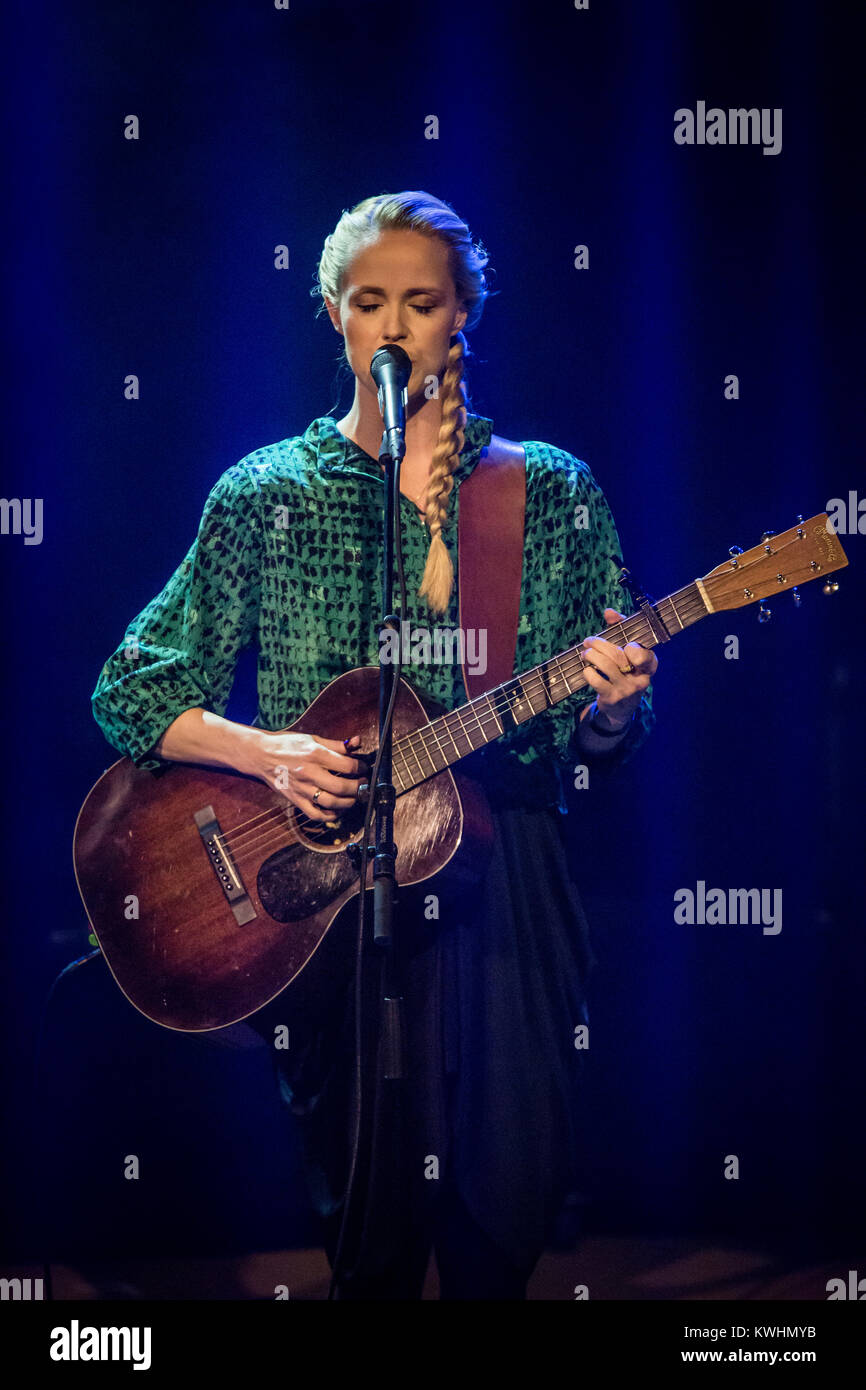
<point x="306" y="876"/>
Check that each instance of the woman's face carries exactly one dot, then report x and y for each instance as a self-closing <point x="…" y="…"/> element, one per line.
<point x="398" y="289"/>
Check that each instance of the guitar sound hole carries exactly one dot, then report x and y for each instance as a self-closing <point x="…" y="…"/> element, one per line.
<point x="305" y="877"/>
<point x="331" y="835"/>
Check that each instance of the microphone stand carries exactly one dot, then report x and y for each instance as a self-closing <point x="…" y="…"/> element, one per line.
<point x="391" y="454"/>
<point x="380" y="799"/>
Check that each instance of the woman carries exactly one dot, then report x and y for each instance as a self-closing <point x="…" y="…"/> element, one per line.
<point x="288" y="559"/>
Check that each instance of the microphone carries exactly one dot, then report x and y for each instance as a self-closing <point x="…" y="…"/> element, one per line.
<point x="391" y="368"/>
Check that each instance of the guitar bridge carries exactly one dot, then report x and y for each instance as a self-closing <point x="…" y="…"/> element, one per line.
<point x="223" y="866"/>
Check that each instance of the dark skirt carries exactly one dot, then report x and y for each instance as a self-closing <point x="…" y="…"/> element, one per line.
<point x="494" y="990"/>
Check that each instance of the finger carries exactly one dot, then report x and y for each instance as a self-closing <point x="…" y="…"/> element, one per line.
<point x="342" y="789"/>
<point x="601" y="644"/>
<point x="333" y="755"/>
<point x="339" y="745"/>
<point x="314" y="810"/>
<point x="613" y="663"/>
<point x="605" y="657"/>
<point x="641" y="658"/>
<point x="594" y="679"/>
<point x="611" y="616"/>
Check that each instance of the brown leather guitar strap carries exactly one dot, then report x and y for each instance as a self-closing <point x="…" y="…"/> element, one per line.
<point x="491" y="511"/>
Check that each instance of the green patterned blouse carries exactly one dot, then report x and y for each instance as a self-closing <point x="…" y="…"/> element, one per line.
<point x="287" y="561"/>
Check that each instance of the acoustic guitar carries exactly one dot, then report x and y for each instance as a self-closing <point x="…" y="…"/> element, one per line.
<point x="210" y="893"/>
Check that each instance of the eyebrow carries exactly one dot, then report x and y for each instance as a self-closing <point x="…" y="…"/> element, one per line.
<point x="376" y="289"/>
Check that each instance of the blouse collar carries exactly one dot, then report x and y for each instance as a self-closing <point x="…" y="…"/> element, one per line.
<point x="335" y="453"/>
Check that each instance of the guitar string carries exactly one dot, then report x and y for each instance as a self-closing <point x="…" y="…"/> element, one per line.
<point x="531" y="683"/>
<point x="489" y="705"/>
<point x="568" y="663"/>
<point x="429" y="740"/>
<point x="693" y="608"/>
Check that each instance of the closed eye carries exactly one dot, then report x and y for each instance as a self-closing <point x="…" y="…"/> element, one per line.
<point x="420" y="308"/>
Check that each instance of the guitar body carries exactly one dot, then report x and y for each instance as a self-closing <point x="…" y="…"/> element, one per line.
<point x="154" y="851"/>
<point x="210" y="894"/>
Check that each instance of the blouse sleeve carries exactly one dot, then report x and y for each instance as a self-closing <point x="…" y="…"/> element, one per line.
<point x="591" y="584"/>
<point x="181" y="651"/>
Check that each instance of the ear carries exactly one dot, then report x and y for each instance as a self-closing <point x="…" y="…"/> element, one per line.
<point x="334" y="315"/>
<point x="459" y="319"/>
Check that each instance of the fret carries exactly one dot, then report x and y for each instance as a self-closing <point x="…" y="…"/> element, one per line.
<point x="489" y="716"/>
<point x="415" y="756"/>
<point x="431" y="728"/>
<point x="470" y="734"/>
<point x="396" y="760"/>
<point x="546" y="677"/>
<point x="676" y="614"/>
<point x="496" y="720"/>
<point x="541" y="693"/>
<point x="690" y="605"/>
<point x="463" y="733"/>
<point x="562" y="676"/>
<point x="517" y="702"/>
<point x="447" y="727"/>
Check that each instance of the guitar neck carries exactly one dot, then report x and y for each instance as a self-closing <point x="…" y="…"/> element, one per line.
<point x="444" y="741"/>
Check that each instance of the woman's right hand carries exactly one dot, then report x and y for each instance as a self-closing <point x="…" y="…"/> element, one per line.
<point x="299" y="765"/>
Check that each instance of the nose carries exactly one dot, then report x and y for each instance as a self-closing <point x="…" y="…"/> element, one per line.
<point x="395" y="324"/>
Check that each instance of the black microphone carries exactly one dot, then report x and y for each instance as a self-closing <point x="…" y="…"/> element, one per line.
<point x="391" y="369"/>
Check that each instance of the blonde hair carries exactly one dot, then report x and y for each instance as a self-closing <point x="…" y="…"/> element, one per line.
<point x="421" y="212"/>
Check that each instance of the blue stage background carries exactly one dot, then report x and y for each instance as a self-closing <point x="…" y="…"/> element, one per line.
<point x="156" y="257"/>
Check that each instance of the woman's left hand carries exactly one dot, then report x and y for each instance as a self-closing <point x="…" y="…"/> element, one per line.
<point x="618" y="675"/>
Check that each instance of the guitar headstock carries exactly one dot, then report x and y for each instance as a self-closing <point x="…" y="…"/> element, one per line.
<point x="809" y="550"/>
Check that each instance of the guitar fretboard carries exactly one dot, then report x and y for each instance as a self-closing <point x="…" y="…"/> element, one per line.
<point x="452" y="736"/>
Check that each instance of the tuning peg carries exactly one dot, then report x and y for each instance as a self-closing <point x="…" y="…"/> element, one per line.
<point x="734" y="551"/>
<point x="796" y="596"/>
<point x="764" y="613"/>
<point x="765" y="535"/>
<point x="831" y="586"/>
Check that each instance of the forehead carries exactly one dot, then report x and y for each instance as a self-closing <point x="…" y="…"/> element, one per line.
<point x="398" y="258"/>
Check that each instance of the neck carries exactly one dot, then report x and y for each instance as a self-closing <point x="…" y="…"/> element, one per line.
<point x="363" y="425"/>
<point x="444" y="741"/>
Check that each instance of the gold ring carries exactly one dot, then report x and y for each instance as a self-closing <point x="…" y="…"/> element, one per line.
<point x="317" y="795"/>
<point x="627" y="670"/>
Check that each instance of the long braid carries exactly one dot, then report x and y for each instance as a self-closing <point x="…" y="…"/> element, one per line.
<point x="438" y="579"/>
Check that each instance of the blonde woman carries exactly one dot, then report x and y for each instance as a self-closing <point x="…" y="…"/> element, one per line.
<point x="495" y="988"/>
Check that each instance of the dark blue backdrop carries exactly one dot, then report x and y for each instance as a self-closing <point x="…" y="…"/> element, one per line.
<point x="155" y="257"/>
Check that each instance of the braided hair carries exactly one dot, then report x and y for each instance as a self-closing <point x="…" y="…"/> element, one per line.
<point x="421" y="212"/>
